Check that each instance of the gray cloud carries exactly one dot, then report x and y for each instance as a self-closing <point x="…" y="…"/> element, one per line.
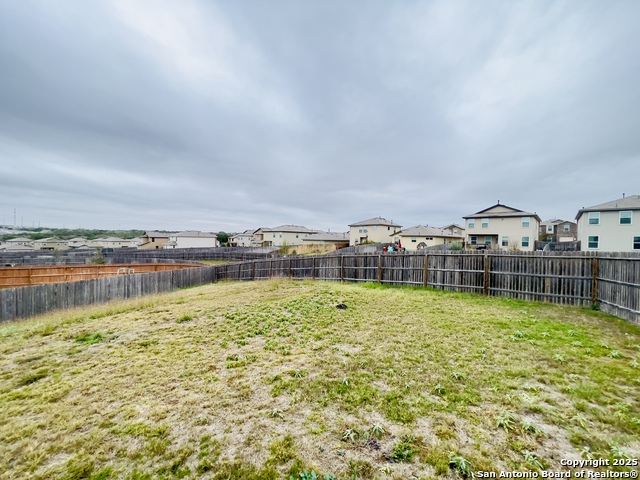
<point x="236" y="115"/>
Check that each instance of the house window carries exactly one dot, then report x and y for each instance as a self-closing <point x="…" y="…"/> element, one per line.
<point x="566" y="227"/>
<point x="505" y="241"/>
<point x="373" y="228"/>
<point x="594" y="218"/>
<point x="625" y="217"/>
<point x="413" y="239"/>
<point x="549" y="228"/>
<point x="360" y="230"/>
<point x="274" y="235"/>
<point x="487" y="240"/>
<point x="455" y="231"/>
<point x="526" y="222"/>
<point x="636" y="243"/>
<point x="485" y="223"/>
<point x="525" y="241"/>
<point x="472" y="224"/>
<point x="593" y="242"/>
<point x="296" y="236"/>
<point x="474" y="240"/>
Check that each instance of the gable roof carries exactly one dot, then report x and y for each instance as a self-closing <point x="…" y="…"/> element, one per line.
<point x="289" y="229"/>
<point x="555" y="221"/>
<point x="376" y="221"/>
<point x="155" y="234"/>
<point x="18" y="240"/>
<point x="632" y="202"/>
<point x="453" y="225"/>
<point x="505" y="211"/>
<point x="194" y="233"/>
<point x="327" y="237"/>
<point x="426" y="231"/>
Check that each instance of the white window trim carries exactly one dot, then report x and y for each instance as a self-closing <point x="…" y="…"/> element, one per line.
<point x="596" y="215"/>
<point x="630" y="217"/>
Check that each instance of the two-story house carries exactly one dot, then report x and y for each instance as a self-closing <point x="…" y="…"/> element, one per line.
<point x="423" y="236"/>
<point x="192" y="239"/>
<point x="501" y="226"/>
<point x="611" y="227"/>
<point x="374" y="230"/>
<point x="291" y="235"/>
<point x="558" y="231"/>
<point x="243" y="239"/>
<point x="153" y="240"/>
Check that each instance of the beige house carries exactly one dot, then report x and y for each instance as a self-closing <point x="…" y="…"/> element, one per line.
<point x="112" y="242"/>
<point x="454" y="229"/>
<point x="502" y="227"/>
<point x="339" y="240"/>
<point x="192" y="239"/>
<point x="374" y="230"/>
<point x="291" y="235"/>
<point x="20" y="244"/>
<point x="611" y="227"/>
<point x="243" y="239"/>
<point x="52" y="243"/>
<point x="423" y="236"/>
<point x="153" y="240"/>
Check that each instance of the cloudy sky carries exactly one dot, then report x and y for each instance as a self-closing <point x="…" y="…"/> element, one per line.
<point x="230" y="115"/>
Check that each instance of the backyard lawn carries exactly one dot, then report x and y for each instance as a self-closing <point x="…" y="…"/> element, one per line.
<point x="270" y="380"/>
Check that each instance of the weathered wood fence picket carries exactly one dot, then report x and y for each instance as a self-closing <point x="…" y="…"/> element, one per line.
<point x="612" y="281"/>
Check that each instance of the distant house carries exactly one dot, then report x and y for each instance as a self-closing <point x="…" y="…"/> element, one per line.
<point x="51" y="243"/>
<point x="284" y="234"/>
<point x="423" y="236"/>
<point x="112" y="242"/>
<point x="192" y="239"/>
<point x="558" y="231"/>
<point x="454" y="229"/>
<point x="339" y="240"/>
<point x="611" y="227"/>
<point x="153" y="240"/>
<point x="502" y="227"/>
<point x="20" y="244"/>
<point x="78" y="242"/>
<point x="243" y="239"/>
<point x="374" y="230"/>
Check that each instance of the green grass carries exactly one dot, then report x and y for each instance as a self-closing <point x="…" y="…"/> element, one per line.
<point x="271" y="380"/>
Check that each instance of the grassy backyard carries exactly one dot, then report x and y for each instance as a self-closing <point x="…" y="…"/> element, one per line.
<point x="270" y="380"/>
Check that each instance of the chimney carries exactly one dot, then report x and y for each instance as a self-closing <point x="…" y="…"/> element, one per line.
<point x="623" y="195"/>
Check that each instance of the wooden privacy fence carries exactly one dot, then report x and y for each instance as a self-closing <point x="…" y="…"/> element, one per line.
<point x="34" y="275"/>
<point x="26" y="302"/>
<point x="609" y="280"/>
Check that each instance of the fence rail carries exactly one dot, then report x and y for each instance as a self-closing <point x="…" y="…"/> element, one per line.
<point x="610" y="280"/>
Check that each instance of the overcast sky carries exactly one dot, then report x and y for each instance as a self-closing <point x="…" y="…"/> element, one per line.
<point x="233" y="115"/>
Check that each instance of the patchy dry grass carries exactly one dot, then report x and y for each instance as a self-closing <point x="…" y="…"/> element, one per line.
<point x="269" y="379"/>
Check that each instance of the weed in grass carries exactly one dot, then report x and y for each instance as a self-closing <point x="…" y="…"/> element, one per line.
<point x="350" y="435"/>
<point x="506" y="421"/>
<point x="276" y="412"/>
<point x="587" y="453"/>
<point x="532" y="460"/>
<point x="439" y="389"/>
<point x="615" y="354"/>
<point x="618" y="452"/>
<point x="376" y="430"/>
<point x="559" y="358"/>
<point x="460" y="465"/>
<point x="89" y="338"/>
<point x="458" y="375"/>
<point x="282" y="451"/>
<point x="529" y="427"/>
<point x="404" y="450"/>
<point x="184" y="318"/>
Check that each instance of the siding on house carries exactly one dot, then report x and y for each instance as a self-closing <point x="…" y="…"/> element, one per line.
<point x="611" y="227"/>
<point x="502" y="227"/>
<point x="375" y="230"/>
